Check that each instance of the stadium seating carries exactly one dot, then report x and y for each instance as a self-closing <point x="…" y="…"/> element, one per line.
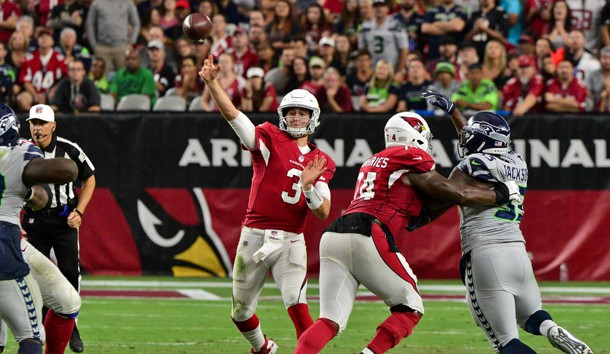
<point x="107" y="102"/>
<point x="170" y="103"/>
<point x="134" y="102"/>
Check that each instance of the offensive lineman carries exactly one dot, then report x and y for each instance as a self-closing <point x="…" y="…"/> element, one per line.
<point x="495" y="267"/>
<point x="22" y="166"/>
<point x="359" y="248"/>
<point x="290" y="177"/>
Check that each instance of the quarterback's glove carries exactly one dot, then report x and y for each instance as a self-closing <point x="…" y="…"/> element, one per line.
<point x="439" y="100"/>
<point x="507" y="192"/>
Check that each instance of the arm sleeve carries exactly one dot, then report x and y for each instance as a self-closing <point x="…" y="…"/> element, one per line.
<point x="322" y="189"/>
<point x="245" y="130"/>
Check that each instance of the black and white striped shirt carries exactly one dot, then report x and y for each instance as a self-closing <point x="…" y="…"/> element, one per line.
<point x="60" y="147"/>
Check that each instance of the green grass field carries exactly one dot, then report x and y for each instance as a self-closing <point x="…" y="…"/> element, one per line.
<point x="152" y="325"/>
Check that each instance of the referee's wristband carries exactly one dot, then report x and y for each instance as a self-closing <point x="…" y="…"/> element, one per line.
<point x="80" y="213"/>
<point x="313" y="199"/>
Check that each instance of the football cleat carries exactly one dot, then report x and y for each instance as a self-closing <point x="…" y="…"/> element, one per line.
<point x="76" y="343"/>
<point x="566" y="342"/>
<point x="268" y="348"/>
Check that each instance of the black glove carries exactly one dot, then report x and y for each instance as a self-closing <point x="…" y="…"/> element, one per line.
<point x="439" y="100"/>
<point x="507" y="192"/>
<point x="422" y="219"/>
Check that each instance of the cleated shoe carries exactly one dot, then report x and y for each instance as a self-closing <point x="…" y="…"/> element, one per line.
<point x="268" y="348"/>
<point x="566" y="342"/>
<point x="76" y="344"/>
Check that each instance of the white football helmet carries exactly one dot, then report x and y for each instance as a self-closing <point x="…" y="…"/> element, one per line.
<point x="303" y="99"/>
<point x="408" y="129"/>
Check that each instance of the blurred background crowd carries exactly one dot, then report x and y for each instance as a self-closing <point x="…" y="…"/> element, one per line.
<point x="516" y="56"/>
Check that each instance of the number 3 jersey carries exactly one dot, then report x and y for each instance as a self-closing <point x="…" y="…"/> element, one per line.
<point x="276" y="200"/>
<point x="380" y="191"/>
<point x="483" y="225"/>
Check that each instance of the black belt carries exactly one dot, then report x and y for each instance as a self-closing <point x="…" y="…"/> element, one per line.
<point x="50" y="212"/>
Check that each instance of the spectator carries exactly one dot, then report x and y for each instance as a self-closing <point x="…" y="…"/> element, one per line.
<point x="385" y="37"/>
<point x="71" y="50"/>
<point x="133" y="78"/>
<point x="182" y="49"/>
<point x="548" y="69"/>
<point x="315" y="27"/>
<point x="409" y="96"/>
<point x="537" y="14"/>
<point x="258" y="37"/>
<point x="148" y="21"/>
<point x="467" y="55"/>
<point x="231" y="83"/>
<point x="182" y="10"/>
<point x="266" y="57"/>
<point x="349" y="21"/>
<point x="514" y="11"/>
<point x="221" y="41"/>
<point x="279" y="76"/>
<point x="299" y="74"/>
<point x="544" y="47"/>
<point x="586" y="17"/>
<point x="333" y="96"/>
<point x="328" y="53"/>
<point x="490" y="22"/>
<point x="283" y="26"/>
<point x="527" y="45"/>
<point x="164" y="75"/>
<point x="8" y="77"/>
<point x="230" y="10"/>
<point x="243" y="56"/>
<point x="365" y="7"/>
<point x="168" y="15"/>
<point x="77" y="94"/>
<point x="70" y="14"/>
<point x="25" y="25"/>
<point x="565" y="93"/>
<point x="112" y="27"/>
<point x="560" y="24"/>
<point x="38" y="78"/>
<point x="9" y="13"/>
<point x="332" y="10"/>
<point x="444" y="19"/>
<point x="299" y="44"/>
<point x="411" y="16"/>
<point x="602" y="74"/>
<point x="444" y="81"/>
<point x="585" y="64"/>
<point x="448" y="49"/>
<point x="381" y="93"/>
<point x="523" y="93"/>
<point x="317" y="66"/>
<point x="361" y="74"/>
<point x="476" y="93"/>
<point x="155" y="33"/>
<point x="603" y="104"/>
<point x="257" y="19"/>
<point x="258" y="95"/>
<point x="188" y="83"/>
<point x="97" y="74"/>
<point x="494" y="63"/>
<point x="17" y="50"/>
<point x="605" y="28"/>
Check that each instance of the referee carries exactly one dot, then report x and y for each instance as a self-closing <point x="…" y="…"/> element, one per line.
<point x="56" y="226"/>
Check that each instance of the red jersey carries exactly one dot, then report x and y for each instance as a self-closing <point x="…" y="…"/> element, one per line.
<point x="574" y="89"/>
<point x="8" y="9"/>
<point x="43" y="77"/>
<point x="241" y="63"/>
<point x="514" y="93"/>
<point x="276" y="200"/>
<point x="380" y="191"/>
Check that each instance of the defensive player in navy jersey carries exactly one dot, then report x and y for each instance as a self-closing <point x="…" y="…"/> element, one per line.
<point x="21" y="167"/>
<point x="290" y="177"/>
<point x="359" y="248"/>
<point x="501" y="288"/>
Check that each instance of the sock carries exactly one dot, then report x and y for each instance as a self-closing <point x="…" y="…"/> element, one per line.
<point x="251" y="330"/>
<point x="391" y="331"/>
<point x="30" y="346"/>
<point x="367" y="351"/>
<point x="299" y="314"/>
<point x="316" y="337"/>
<point x="59" y="330"/>
<point x="545" y="326"/>
<point x="515" y="346"/>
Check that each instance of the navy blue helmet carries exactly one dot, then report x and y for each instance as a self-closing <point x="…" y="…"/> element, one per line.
<point x="485" y="132"/>
<point x="9" y="126"/>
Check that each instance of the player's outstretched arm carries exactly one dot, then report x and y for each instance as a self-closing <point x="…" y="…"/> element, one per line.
<point x="209" y="74"/>
<point x="43" y="171"/>
<point x="441" y="101"/>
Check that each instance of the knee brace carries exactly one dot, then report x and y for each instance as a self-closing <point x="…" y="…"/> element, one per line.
<point x="532" y="325"/>
<point x="515" y="346"/>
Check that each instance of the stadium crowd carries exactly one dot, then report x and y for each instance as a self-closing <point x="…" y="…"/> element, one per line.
<point x="517" y="56"/>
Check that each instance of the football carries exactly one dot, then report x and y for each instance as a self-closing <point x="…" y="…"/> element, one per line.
<point x="197" y="27"/>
